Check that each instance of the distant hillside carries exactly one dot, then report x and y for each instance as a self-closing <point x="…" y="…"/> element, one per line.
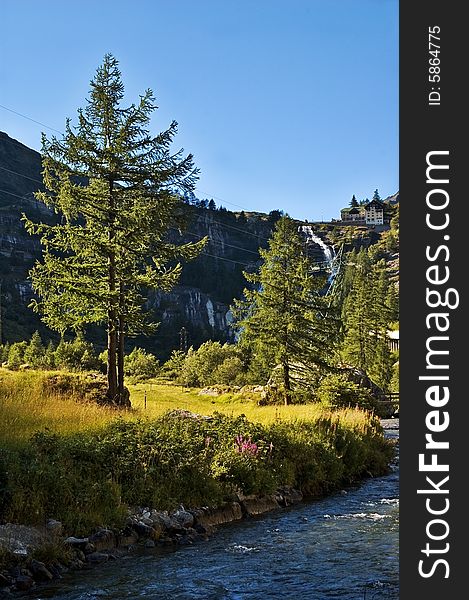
<point x="208" y="285"/>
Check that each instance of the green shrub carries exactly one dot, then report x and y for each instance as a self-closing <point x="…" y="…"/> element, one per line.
<point x="172" y="368"/>
<point x="77" y="355"/>
<point x="337" y="391"/>
<point x="140" y="364"/>
<point x="89" y="478"/>
<point x="16" y="355"/>
<point x="35" y="351"/>
<point x="212" y="363"/>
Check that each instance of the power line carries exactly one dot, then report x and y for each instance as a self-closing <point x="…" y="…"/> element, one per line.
<point x="225" y="201"/>
<point x="12" y="194"/>
<point x="243" y="231"/>
<point x="236" y="262"/>
<point x="21" y="175"/>
<point x="221" y="243"/>
<point x="61" y="133"/>
<point x="30" y="119"/>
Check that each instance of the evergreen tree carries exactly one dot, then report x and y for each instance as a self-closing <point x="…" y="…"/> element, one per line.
<point x="34" y="353"/>
<point x="118" y="192"/>
<point x="5" y="351"/>
<point x="366" y="315"/>
<point x="16" y="355"/>
<point x="212" y="205"/>
<point x="376" y="195"/>
<point x="49" y="356"/>
<point x="354" y="201"/>
<point x="242" y="218"/>
<point x="283" y="318"/>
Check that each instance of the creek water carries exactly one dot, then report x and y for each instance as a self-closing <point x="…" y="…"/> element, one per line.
<point x="343" y="546"/>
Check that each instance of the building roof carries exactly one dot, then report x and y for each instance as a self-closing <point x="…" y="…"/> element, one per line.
<point x="375" y="204"/>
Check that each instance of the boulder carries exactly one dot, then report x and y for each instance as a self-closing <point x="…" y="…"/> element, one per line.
<point x="24" y="583"/>
<point x="54" y="528"/>
<point x="286" y="496"/>
<point x="254" y="505"/>
<point x="97" y="557"/>
<point x="128" y="537"/>
<point x="75" y="542"/>
<point x="184" y="518"/>
<point x="40" y="571"/>
<point x="104" y="539"/>
<point x="208" y="517"/>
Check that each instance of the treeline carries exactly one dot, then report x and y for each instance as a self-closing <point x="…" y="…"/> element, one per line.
<point x="73" y="355"/>
<point x="302" y="344"/>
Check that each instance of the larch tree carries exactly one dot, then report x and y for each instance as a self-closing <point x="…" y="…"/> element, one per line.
<point x="283" y="319"/>
<point x="117" y="192"/>
<point x="366" y="316"/>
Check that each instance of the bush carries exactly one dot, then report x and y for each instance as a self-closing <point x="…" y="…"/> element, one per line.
<point x="34" y="353"/>
<point x="77" y="355"/>
<point x="337" y="391"/>
<point x="172" y="368"/>
<point x="87" y="479"/>
<point x="4" y="351"/>
<point x="16" y="355"/>
<point x="212" y="363"/>
<point x="140" y="364"/>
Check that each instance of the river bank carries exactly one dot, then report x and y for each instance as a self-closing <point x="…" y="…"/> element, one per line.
<point x="342" y="546"/>
<point x="325" y="456"/>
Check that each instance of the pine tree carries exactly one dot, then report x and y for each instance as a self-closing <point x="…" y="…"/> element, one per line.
<point x="34" y="353"/>
<point x="354" y="201"/>
<point x="283" y="319"/>
<point x="366" y="315"/>
<point x="49" y="356"/>
<point x="376" y="195"/>
<point x="115" y="189"/>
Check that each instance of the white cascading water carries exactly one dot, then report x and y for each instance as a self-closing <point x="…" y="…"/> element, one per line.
<point x="328" y="251"/>
<point x="310" y="235"/>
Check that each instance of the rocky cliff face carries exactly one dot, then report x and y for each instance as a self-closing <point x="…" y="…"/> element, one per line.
<point x="207" y="287"/>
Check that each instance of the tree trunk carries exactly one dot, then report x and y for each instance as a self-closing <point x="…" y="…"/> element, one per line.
<point x="120" y="363"/>
<point x="111" y="357"/>
<point x="286" y="382"/>
<point x="112" y="391"/>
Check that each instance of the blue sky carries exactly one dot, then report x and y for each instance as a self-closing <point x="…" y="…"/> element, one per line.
<point x="285" y="105"/>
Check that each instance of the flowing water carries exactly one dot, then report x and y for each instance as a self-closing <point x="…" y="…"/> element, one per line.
<point x="343" y="546"/>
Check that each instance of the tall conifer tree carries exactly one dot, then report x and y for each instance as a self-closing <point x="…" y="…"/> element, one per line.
<point x="283" y="318"/>
<point x="114" y="187"/>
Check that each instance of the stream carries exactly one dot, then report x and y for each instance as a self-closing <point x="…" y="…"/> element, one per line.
<point x="343" y="546"/>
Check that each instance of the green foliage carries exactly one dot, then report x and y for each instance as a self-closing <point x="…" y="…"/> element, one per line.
<point x="337" y="391"/>
<point x="172" y="368"/>
<point x="76" y="355"/>
<point x="88" y="479"/>
<point x="115" y="188"/>
<point x="367" y="311"/>
<point x="140" y="364"/>
<point x="212" y="363"/>
<point x="284" y="320"/>
<point x="16" y="355"/>
<point x="35" y="352"/>
<point x="4" y="351"/>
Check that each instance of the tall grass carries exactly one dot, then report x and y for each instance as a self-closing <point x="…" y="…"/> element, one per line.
<point x="64" y="458"/>
<point x="27" y="405"/>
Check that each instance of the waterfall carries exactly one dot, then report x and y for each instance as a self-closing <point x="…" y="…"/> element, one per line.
<point x="312" y="237"/>
<point x="328" y="251"/>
